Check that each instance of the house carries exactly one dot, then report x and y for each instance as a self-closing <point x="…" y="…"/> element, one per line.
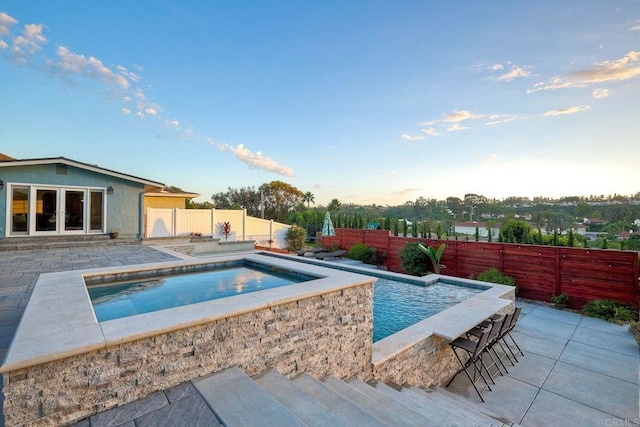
<point x="61" y="197"/>
<point x="469" y="228"/>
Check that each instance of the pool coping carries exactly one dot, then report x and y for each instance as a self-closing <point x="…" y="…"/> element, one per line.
<point x="47" y="332"/>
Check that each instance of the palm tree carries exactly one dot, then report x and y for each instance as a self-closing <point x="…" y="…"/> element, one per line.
<point x="334" y="205"/>
<point x="309" y="198"/>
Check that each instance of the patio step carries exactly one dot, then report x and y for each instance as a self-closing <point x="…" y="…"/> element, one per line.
<point x="272" y="399"/>
<point x="57" y="242"/>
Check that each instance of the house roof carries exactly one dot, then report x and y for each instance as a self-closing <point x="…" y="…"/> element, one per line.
<point x="4" y="158"/>
<point x="169" y="193"/>
<point x="149" y="185"/>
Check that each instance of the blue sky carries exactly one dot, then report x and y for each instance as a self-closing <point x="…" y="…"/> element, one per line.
<point x="364" y="101"/>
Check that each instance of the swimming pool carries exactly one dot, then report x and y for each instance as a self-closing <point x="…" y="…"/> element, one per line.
<point x="122" y="299"/>
<point x="400" y="304"/>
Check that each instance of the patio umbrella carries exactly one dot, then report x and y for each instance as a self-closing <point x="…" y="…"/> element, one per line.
<point x="327" y="227"/>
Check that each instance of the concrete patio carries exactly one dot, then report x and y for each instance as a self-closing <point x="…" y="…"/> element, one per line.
<point x="575" y="370"/>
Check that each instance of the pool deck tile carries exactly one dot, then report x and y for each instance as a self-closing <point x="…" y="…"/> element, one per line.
<point x="576" y="370"/>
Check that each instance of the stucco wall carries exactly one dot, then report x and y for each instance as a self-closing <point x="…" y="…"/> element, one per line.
<point x="123" y="206"/>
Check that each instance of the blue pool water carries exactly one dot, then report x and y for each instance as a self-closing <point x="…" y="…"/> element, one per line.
<point x="398" y="305"/>
<point x="113" y="301"/>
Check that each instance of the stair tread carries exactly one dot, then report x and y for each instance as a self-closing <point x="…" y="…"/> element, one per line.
<point x="402" y="406"/>
<point x="309" y="410"/>
<point x="445" y="394"/>
<point x="384" y="413"/>
<point x="227" y="393"/>
<point x="344" y="408"/>
<point x="459" y="408"/>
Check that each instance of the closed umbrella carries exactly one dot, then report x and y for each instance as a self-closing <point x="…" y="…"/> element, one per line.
<point x="327" y="227"/>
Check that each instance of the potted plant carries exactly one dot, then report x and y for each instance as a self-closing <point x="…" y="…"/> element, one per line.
<point x="113" y="233"/>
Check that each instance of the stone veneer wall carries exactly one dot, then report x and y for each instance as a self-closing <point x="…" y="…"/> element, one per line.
<point x="325" y="334"/>
<point x="429" y="362"/>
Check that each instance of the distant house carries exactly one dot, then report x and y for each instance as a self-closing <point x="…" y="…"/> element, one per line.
<point x="469" y="228"/>
<point x="59" y="196"/>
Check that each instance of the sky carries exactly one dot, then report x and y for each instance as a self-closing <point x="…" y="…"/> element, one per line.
<point x="368" y="102"/>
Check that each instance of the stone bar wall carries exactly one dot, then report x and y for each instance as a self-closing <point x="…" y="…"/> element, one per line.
<point x="325" y="334"/>
<point x="429" y="362"/>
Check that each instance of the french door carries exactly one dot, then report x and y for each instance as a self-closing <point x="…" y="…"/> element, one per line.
<point x="40" y="210"/>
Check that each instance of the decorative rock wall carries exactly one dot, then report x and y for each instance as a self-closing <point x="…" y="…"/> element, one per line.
<point x="429" y="362"/>
<point x="325" y="334"/>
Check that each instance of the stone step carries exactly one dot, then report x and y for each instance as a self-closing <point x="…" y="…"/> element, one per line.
<point x="463" y="411"/>
<point x="405" y="407"/>
<point x="346" y="409"/>
<point x="237" y="400"/>
<point x="57" y="242"/>
<point x="309" y="410"/>
<point x="444" y="395"/>
<point x="382" y="412"/>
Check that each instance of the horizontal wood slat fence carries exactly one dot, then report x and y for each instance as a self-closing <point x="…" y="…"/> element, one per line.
<point x="539" y="271"/>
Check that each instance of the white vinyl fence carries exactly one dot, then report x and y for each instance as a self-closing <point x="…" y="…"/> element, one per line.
<point x="209" y="222"/>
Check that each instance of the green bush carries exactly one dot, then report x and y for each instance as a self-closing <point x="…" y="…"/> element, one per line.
<point x="295" y="238"/>
<point x="358" y="251"/>
<point x="374" y="257"/>
<point x="609" y="310"/>
<point x="560" y="301"/>
<point x="414" y="261"/>
<point x="493" y="275"/>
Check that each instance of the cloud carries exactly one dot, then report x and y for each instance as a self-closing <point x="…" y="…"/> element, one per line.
<point x="411" y="137"/>
<point x="125" y="111"/>
<point x="430" y="131"/>
<point x="151" y="111"/>
<point x="6" y="22"/>
<point x="570" y="110"/>
<point x="3" y="44"/>
<point x="515" y="73"/>
<point x="600" y="93"/>
<point x="28" y="43"/>
<point x="496" y="67"/>
<point x="636" y="27"/>
<point x="456" y="127"/>
<point x="91" y="67"/>
<point x="621" y="69"/>
<point x="256" y="160"/>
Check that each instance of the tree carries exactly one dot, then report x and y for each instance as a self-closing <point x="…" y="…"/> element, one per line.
<point x="243" y="198"/>
<point x="308" y="198"/>
<point x="334" y="206"/>
<point x="517" y="228"/>
<point x="456" y="206"/>
<point x="473" y="201"/>
<point x="280" y="199"/>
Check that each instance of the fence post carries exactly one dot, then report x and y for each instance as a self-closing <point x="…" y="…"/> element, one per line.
<point x="213" y="222"/>
<point x="271" y="232"/>
<point x="174" y="222"/>
<point x="244" y="222"/>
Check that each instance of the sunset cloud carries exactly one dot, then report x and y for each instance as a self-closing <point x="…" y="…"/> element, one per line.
<point x="412" y="137"/>
<point x="6" y="22"/>
<point x="570" y="110"/>
<point x="624" y="68"/>
<point x="515" y="73"/>
<point x="600" y="93"/>
<point x="256" y="160"/>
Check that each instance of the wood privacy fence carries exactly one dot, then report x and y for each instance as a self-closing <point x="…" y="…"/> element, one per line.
<point x="539" y="271"/>
<point x="176" y="222"/>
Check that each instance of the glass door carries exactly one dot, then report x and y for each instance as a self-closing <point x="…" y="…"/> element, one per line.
<point x="46" y="210"/>
<point x="74" y="213"/>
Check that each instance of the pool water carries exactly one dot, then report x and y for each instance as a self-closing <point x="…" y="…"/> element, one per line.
<point x="114" y="301"/>
<point x="398" y="305"/>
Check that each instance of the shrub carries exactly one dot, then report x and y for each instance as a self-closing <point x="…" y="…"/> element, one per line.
<point x="295" y="238"/>
<point x="609" y="310"/>
<point x="374" y="257"/>
<point x="358" y="251"/>
<point x="414" y="261"/>
<point x="560" y="301"/>
<point x="493" y="275"/>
